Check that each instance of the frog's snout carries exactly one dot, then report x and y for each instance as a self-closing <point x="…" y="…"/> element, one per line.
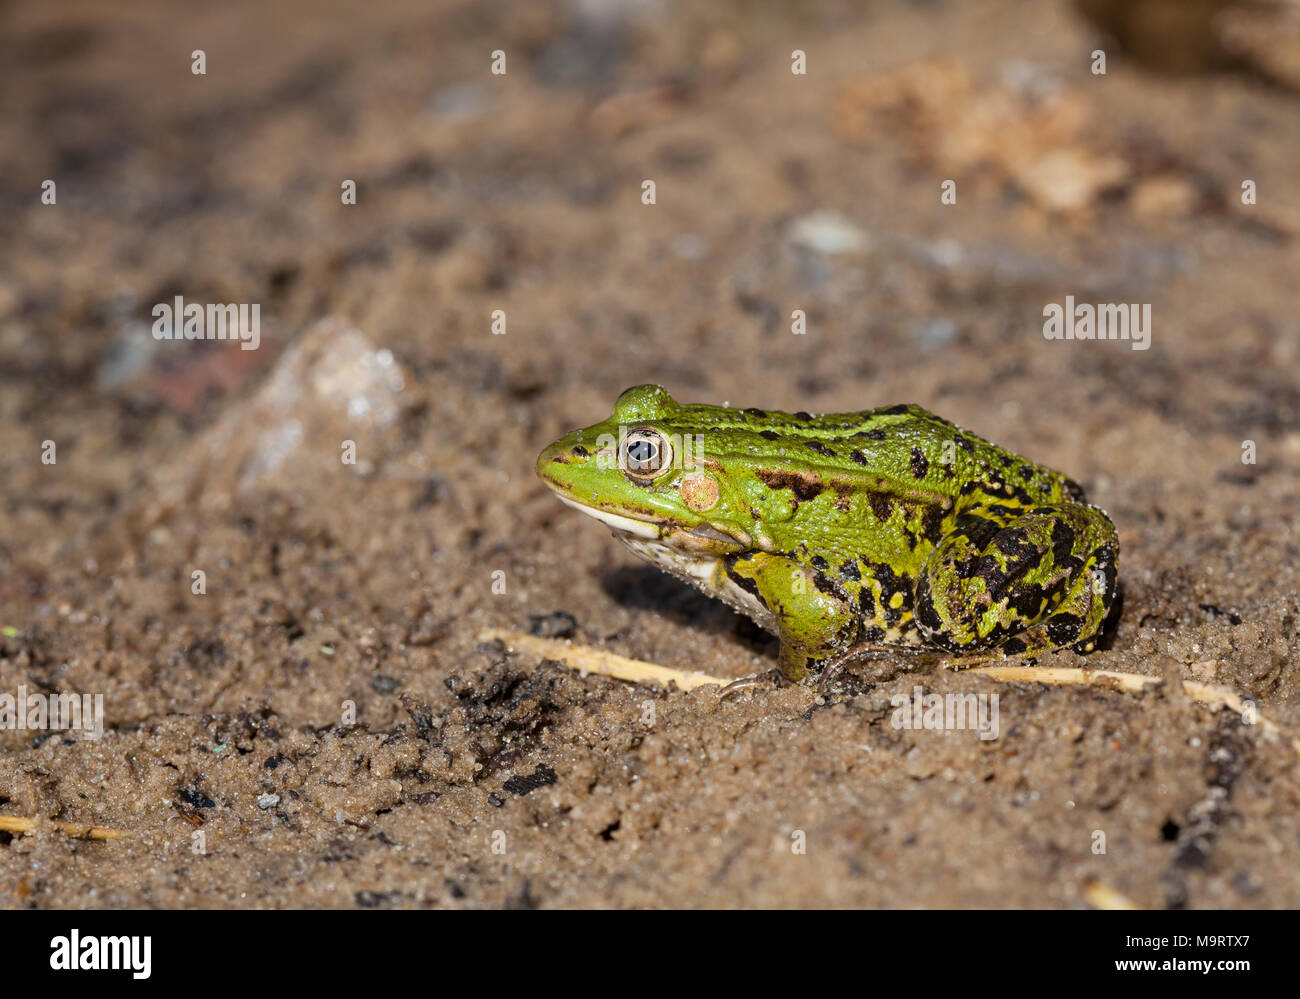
<point x="558" y="462"/>
<point x="551" y="455"/>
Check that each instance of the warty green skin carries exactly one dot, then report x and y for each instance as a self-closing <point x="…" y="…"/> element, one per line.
<point x="884" y="528"/>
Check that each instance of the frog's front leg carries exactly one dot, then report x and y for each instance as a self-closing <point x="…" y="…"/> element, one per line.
<point x="1012" y="583"/>
<point x="811" y="618"/>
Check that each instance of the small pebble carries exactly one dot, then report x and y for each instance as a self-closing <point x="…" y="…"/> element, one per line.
<point x="381" y="683"/>
<point x="557" y="624"/>
<point x="829" y="232"/>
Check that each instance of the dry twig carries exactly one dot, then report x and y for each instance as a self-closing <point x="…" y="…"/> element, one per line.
<point x="588" y="660"/>
<point x="18" y="824"/>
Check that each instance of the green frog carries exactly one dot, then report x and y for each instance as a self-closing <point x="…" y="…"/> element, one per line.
<point x="848" y="534"/>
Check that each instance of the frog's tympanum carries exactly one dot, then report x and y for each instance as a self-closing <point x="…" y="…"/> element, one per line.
<point x="848" y="531"/>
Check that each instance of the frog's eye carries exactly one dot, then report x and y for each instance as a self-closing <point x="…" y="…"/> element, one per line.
<point x="645" y="454"/>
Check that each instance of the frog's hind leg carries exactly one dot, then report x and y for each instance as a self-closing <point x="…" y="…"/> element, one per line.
<point x="1014" y="583"/>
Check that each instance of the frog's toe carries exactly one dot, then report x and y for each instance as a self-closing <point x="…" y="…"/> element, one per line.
<point x="769" y="680"/>
<point x="994" y="658"/>
<point x="915" y="659"/>
<point x="835" y="665"/>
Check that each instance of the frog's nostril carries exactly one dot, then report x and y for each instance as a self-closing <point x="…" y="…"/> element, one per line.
<point x="551" y="461"/>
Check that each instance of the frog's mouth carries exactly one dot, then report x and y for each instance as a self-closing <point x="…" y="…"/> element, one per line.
<point x="703" y="539"/>
<point x="616" y="521"/>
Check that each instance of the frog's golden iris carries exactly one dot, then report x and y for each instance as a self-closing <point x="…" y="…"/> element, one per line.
<point x="645" y="453"/>
<point x="847" y="531"/>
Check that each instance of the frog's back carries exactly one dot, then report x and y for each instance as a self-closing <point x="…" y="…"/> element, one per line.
<point x="905" y="446"/>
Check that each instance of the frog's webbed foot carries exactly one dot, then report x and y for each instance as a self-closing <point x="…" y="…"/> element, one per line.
<point x="769" y="680"/>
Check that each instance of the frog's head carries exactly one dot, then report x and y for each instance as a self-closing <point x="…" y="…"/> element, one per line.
<point x="645" y="474"/>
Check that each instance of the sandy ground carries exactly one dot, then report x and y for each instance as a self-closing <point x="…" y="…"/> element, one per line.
<point x="321" y="727"/>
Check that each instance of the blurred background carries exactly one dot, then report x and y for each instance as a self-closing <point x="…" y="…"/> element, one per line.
<point x="517" y="199"/>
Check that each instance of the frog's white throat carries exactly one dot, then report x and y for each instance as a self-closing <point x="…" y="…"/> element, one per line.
<point x="704" y="572"/>
<point x="700" y="570"/>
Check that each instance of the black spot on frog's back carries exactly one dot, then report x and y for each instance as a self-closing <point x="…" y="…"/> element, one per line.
<point x="882" y="505"/>
<point x="979" y="530"/>
<point x="920" y="463"/>
<point x="1063" y="547"/>
<point x="932" y="523"/>
<point x="1014" y="542"/>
